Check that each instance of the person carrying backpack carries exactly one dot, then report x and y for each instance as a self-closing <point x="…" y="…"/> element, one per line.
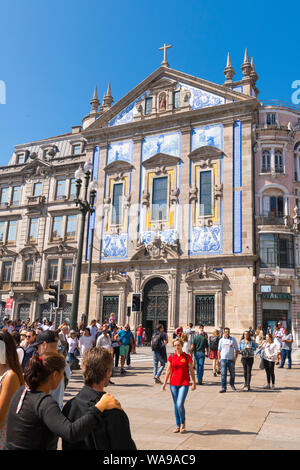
<point x="158" y="345"/>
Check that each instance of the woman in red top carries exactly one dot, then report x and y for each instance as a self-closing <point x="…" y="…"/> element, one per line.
<point x="180" y="366"/>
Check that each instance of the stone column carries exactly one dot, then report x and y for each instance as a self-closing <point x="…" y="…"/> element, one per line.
<point x="219" y="309"/>
<point x="183" y="224"/>
<point x="190" y="309"/>
<point x="134" y="216"/>
<point x="298" y="168"/>
<point x="172" y="300"/>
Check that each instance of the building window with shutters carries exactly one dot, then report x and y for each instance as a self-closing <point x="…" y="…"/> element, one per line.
<point x="176" y="99"/>
<point x="148" y="106"/>
<point x="52" y="270"/>
<point x="71" y="226"/>
<point x="159" y="208"/>
<point x="33" y="230"/>
<point x="57" y="227"/>
<point x="16" y="195"/>
<point x="205" y="193"/>
<point x="60" y="190"/>
<point x="279" y="161"/>
<point x="266" y="161"/>
<point x="28" y="272"/>
<point x="116" y="214"/>
<point x="6" y="275"/>
<point x="12" y="232"/>
<point x="37" y="189"/>
<point x="4" y="197"/>
<point x="67" y="274"/>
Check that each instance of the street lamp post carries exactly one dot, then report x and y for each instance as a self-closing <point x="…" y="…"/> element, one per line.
<point x="85" y="206"/>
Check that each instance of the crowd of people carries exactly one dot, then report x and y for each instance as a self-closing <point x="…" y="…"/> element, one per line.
<point x="192" y="346"/>
<point x="37" y="360"/>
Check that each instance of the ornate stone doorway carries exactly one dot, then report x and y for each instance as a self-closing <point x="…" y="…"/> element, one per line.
<point x="155" y="306"/>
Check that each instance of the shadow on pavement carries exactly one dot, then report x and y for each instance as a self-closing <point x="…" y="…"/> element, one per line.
<point x="215" y="432"/>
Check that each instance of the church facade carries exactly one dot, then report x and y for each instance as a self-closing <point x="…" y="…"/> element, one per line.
<point x="183" y="207"/>
<point x="174" y="213"/>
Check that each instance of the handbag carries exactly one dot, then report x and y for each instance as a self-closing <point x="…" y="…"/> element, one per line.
<point x="261" y="364"/>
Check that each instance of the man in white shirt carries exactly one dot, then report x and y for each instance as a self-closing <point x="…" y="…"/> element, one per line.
<point x="93" y="330"/>
<point x="104" y="339"/>
<point x="228" y="350"/>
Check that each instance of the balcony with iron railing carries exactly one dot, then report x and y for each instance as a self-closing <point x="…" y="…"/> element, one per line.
<point x="280" y="104"/>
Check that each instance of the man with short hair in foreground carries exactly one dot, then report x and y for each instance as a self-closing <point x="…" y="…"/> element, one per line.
<point x="114" y="433"/>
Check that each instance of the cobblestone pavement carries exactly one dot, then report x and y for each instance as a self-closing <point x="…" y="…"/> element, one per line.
<point x="256" y="419"/>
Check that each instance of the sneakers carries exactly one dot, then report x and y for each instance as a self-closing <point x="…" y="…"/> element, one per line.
<point x="199" y="382"/>
<point x="129" y="366"/>
<point x="215" y="374"/>
<point x="273" y="387"/>
<point x="157" y="380"/>
<point x="233" y="388"/>
<point x="222" y="391"/>
<point x="218" y="372"/>
<point x="267" y="387"/>
<point x="122" y="371"/>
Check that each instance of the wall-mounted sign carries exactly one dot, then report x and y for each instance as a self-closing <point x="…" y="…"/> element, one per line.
<point x="275" y="296"/>
<point x="266" y="288"/>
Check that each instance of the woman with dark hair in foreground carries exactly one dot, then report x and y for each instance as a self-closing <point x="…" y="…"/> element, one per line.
<point x="34" y="419"/>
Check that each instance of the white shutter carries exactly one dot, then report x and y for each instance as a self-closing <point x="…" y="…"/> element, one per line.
<point x="266" y="206"/>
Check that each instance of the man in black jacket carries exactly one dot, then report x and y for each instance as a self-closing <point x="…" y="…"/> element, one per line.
<point x="114" y="433"/>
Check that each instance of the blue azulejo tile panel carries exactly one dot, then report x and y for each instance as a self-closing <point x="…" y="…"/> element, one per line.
<point x="237" y="187"/>
<point x="162" y="143"/>
<point x="237" y="222"/>
<point x="91" y="218"/>
<point x="207" y="135"/>
<point x="126" y="115"/>
<point x="206" y="240"/>
<point x="202" y="99"/>
<point x="167" y="236"/>
<point x="237" y="154"/>
<point x="238" y="88"/>
<point x="115" y="246"/>
<point x="120" y="151"/>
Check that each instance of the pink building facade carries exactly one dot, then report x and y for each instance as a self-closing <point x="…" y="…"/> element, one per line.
<point x="276" y="151"/>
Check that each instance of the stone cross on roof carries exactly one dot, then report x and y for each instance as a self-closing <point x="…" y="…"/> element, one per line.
<point x="164" y="48"/>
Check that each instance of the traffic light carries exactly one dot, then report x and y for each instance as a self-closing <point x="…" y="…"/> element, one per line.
<point x="63" y="301"/>
<point x="54" y="292"/>
<point x="136" y="302"/>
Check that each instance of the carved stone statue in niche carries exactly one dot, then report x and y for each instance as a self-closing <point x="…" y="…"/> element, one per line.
<point x="162" y="102"/>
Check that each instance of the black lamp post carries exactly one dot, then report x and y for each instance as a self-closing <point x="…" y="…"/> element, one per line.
<point x="85" y="206"/>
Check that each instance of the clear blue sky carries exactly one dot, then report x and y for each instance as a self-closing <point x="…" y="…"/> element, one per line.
<point x="52" y="53"/>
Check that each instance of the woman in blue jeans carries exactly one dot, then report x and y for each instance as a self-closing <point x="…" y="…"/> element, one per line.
<point x="180" y="366"/>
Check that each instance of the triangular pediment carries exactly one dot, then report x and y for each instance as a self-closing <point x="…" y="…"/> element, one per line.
<point x="118" y="166"/>
<point x="161" y="159"/>
<point x="207" y="151"/>
<point x="59" y="249"/>
<point x="200" y="93"/>
<point x="6" y="253"/>
<point x="36" y="167"/>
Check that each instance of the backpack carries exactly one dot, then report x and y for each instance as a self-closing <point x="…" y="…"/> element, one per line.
<point x="157" y="342"/>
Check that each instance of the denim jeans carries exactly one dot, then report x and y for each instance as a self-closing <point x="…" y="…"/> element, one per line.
<point x="179" y="395"/>
<point x="139" y="341"/>
<point x="286" y="354"/>
<point x="230" y="365"/>
<point x="156" y="360"/>
<point x="199" y="358"/>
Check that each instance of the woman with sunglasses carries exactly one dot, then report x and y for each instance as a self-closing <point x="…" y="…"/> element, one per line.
<point x="11" y="378"/>
<point x="180" y="367"/>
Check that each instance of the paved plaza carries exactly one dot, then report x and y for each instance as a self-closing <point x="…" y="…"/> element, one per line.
<point x="255" y="420"/>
